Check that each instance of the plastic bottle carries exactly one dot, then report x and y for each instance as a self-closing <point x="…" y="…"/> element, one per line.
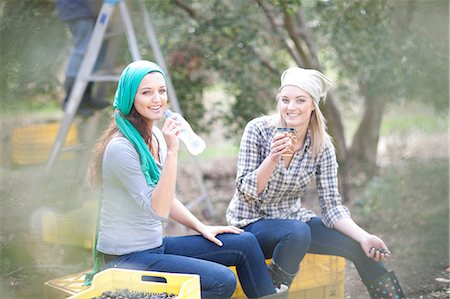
<point x="194" y="143"/>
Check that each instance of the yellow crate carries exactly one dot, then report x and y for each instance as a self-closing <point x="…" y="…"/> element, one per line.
<point x="67" y="285"/>
<point x="185" y="286"/>
<point x="76" y="228"/>
<point x="320" y="275"/>
<point x="331" y="291"/>
<point x="32" y="144"/>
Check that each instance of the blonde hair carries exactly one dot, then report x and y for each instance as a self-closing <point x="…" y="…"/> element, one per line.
<point x="317" y="127"/>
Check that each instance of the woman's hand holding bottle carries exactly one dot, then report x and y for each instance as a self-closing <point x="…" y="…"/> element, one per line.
<point x="171" y="129"/>
<point x="193" y="142"/>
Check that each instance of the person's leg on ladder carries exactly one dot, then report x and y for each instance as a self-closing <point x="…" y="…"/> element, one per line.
<point x="81" y="30"/>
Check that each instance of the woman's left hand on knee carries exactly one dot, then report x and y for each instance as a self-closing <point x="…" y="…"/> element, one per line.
<point x="210" y="232"/>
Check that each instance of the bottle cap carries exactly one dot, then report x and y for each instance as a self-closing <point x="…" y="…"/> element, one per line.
<point x="168" y="113"/>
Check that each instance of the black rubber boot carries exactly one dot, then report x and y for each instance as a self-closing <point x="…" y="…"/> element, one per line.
<point x="68" y="84"/>
<point x="89" y="101"/>
<point x="279" y="276"/>
<point x="386" y="286"/>
<point x="83" y="109"/>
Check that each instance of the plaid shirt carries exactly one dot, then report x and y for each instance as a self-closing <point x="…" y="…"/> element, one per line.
<point x="281" y="199"/>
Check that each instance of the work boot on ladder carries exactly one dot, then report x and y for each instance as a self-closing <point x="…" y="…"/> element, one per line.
<point x="88" y="103"/>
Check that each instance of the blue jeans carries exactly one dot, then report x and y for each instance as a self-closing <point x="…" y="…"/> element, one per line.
<point x="81" y="30"/>
<point x="197" y="255"/>
<point x="287" y="241"/>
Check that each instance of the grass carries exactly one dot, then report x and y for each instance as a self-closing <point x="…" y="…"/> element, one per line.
<point x="408" y="206"/>
<point x="402" y="120"/>
<point x="41" y="104"/>
<point x="426" y="123"/>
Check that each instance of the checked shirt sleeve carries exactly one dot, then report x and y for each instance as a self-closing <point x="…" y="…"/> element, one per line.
<point x="249" y="160"/>
<point x="331" y="206"/>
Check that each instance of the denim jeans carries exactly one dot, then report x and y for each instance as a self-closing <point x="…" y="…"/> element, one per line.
<point x="197" y="255"/>
<point x="81" y="30"/>
<point x="287" y="241"/>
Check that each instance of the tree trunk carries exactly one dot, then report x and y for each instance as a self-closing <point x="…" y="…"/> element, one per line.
<point x="336" y="130"/>
<point x="298" y="31"/>
<point x="362" y="155"/>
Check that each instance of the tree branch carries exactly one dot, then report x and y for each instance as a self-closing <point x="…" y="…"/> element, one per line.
<point x="289" y="26"/>
<point x="280" y="34"/>
<point x="265" y="62"/>
<point x="306" y="37"/>
<point x="190" y="11"/>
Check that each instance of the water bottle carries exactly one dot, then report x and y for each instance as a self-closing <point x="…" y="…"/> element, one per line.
<point x="193" y="142"/>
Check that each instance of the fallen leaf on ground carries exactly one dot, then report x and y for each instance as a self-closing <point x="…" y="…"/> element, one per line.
<point x="441" y="279"/>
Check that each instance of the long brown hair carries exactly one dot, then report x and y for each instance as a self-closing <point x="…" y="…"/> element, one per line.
<point x="95" y="167"/>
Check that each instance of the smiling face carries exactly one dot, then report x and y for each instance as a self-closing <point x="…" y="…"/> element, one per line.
<point x="151" y="97"/>
<point x="296" y="106"/>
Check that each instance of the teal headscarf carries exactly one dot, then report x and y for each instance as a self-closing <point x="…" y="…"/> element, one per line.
<point x="129" y="82"/>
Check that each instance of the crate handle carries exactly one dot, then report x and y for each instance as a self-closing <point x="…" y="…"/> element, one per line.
<point x="149" y="278"/>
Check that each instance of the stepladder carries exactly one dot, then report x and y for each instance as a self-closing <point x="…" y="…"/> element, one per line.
<point x="107" y="25"/>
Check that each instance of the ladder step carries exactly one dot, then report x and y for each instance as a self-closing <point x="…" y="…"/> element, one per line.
<point x="105" y="75"/>
<point x="74" y="148"/>
<point x="104" y="78"/>
<point x="112" y="34"/>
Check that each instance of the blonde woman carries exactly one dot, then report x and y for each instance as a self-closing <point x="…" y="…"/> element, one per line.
<point x="273" y="172"/>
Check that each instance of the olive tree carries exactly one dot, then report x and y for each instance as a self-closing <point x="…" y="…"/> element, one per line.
<point x="379" y="49"/>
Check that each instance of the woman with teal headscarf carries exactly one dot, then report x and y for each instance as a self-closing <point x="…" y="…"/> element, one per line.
<point x="136" y="164"/>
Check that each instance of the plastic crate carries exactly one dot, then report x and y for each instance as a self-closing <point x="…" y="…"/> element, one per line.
<point x="320" y="276"/>
<point x="331" y="291"/>
<point x="185" y="286"/>
<point x="75" y="228"/>
<point x="66" y="286"/>
<point x="32" y="144"/>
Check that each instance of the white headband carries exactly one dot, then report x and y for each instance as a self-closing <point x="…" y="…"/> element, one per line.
<point x="311" y="81"/>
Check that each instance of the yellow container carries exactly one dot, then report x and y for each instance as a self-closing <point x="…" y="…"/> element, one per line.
<point x="185" y="286"/>
<point x="66" y="285"/>
<point x="320" y="276"/>
<point x="75" y="228"/>
<point x="331" y="291"/>
<point x="32" y="144"/>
